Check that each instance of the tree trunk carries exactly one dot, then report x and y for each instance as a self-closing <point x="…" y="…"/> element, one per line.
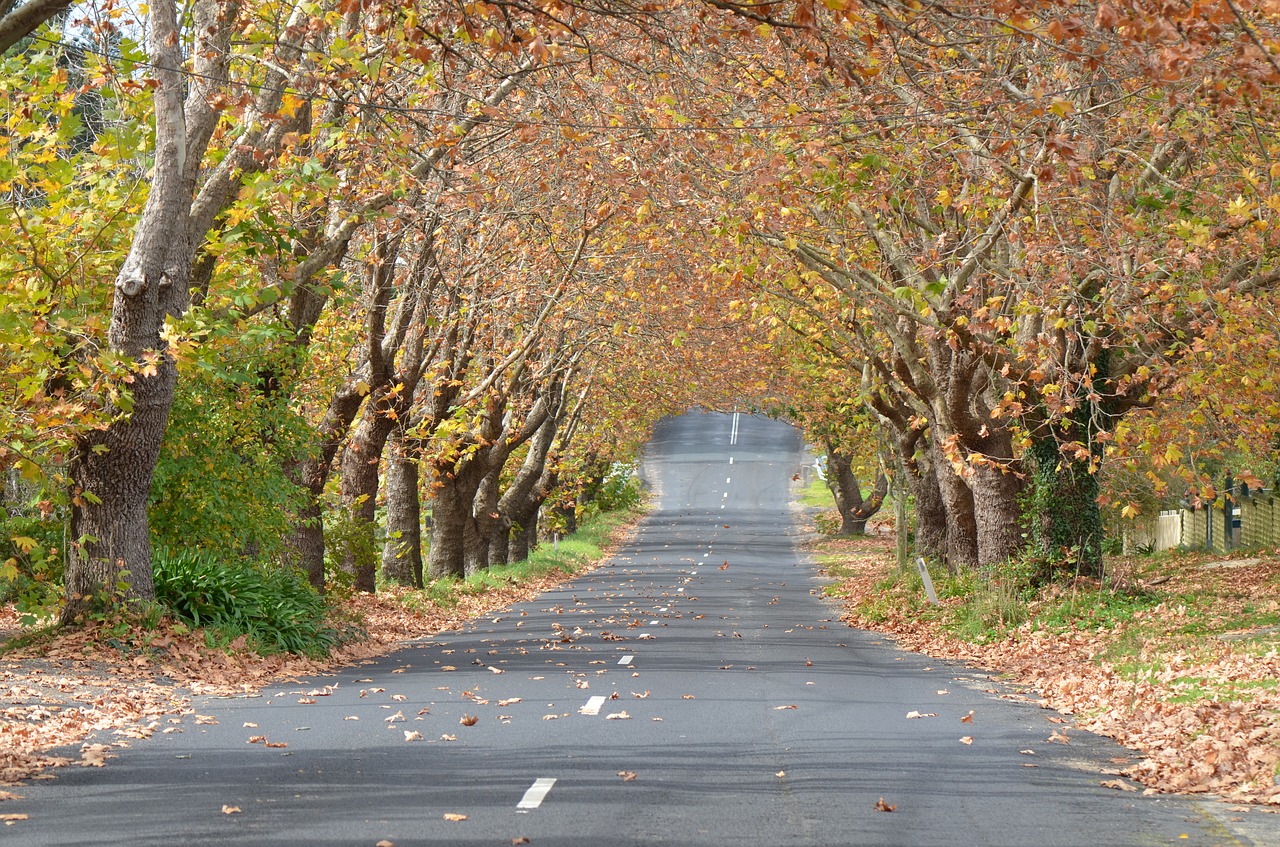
<point x="999" y="518"/>
<point x="448" y="520"/>
<point x="957" y="502"/>
<point x="931" y="514"/>
<point x="359" y="487"/>
<point x="111" y="469"/>
<point x="402" y="551"/>
<point x="1065" y="518"/>
<point x="484" y="523"/>
<point x="111" y="477"/>
<point x="843" y="483"/>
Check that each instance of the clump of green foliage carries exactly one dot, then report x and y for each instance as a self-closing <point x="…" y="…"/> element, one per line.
<point x="275" y="607"/>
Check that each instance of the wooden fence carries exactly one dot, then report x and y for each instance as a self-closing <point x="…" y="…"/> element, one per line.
<point x="1253" y="521"/>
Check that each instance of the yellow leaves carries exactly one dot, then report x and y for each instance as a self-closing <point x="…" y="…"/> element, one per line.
<point x="455" y="817"/>
<point x="1240" y="207"/>
<point x="1130" y="511"/>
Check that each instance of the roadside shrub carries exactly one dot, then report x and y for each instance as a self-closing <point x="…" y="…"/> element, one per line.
<point x="276" y="608"/>
<point x="620" y="489"/>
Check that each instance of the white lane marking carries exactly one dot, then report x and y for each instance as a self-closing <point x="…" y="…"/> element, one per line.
<point x="533" y="798"/>
<point x="626" y="660"/>
<point x="733" y="432"/>
<point x="593" y="706"/>
<point x="654" y="623"/>
<point x="728" y="479"/>
<point x="722" y="505"/>
<point x="693" y="573"/>
<point x="731" y="460"/>
<point x="724" y="496"/>
<point x="680" y="590"/>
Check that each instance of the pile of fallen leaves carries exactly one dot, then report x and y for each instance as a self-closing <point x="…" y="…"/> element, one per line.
<point x="1204" y="712"/>
<point x="100" y="681"/>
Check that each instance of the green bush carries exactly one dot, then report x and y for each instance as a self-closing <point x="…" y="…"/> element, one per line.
<point x="619" y="490"/>
<point x="276" y="608"/>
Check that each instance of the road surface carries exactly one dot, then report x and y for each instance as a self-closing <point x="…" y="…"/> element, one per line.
<point x="693" y="691"/>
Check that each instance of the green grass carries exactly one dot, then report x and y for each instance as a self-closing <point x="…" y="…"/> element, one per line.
<point x="817" y="495"/>
<point x="570" y="555"/>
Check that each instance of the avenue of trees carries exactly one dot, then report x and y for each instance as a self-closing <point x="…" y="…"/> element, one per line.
<point x="278" y="281"/>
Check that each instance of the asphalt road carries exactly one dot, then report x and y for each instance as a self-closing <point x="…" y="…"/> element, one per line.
<point x="743" y="715"/>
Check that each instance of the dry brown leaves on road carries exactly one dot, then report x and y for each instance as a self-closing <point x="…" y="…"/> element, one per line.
<point x="1192" y="740"/>
<point x="86" y="682"/>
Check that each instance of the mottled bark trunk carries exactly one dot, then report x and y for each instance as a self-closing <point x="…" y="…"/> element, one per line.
<point x="359" y="488"/>
<point x="306" y="543"/>
<point x="930" y="513"/>
<point x="957" y="502"/>
<point x="111" y="469"/>
<point x="500" y="543"/>
<point x="854" y="509"/>
<point x="524" y="531"/>
<point x="995" y="503"/>
<point x="448" y="521"/>
<point x="111" y="480"/>
<point x="484" y="523"/>
<point x="402" y="552"/>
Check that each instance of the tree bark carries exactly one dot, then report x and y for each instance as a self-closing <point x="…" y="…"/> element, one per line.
<point x="854" y="510"/>
<point x="359" y="489"/>
<point x="999" y="518"/>
<point x="111" y="470"/>
<point x="957" y="502"/>
<point x="402" y="552"/>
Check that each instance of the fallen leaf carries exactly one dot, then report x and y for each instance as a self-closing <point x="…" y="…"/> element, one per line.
<point x="618" y="716"/>
<point x="412" y="735"/>
<point x="510" y="701"/>
<point x="641" y="695"/>
<point x="686" y="697"/>
<point x="968" y="739"/>
<point x="250" y="725"/>
<point x="306" y="701"/>
<point x="1060" y="737"/>
<point x="882" y="806"/>
<point x="915" y="714"/>
<point x="22" y="816"/>
<point x="256" y="739"/>
<point x="385" y="843"/>
<point x="943" y="691"/>
<point x="352" y="718"/>
<point x="492" y="669"/>
<point x="448" y="737"/>
<point x="520" y="840"/>
<point x="206" y="719"/>
<point x="453" y="816"/>
<point x="398" y="716"/>
<point x="448" y="668"/>
<point x="613" y="696"/>
<point x="230" y="810"/>
<point x="967" y="718"/>
<point x="468" y="720"/>
<point x="549" y="717"/>
<point x="1027" y="752"/>
<point x="725" y="566"/>
<point x="1118" y="784"/>
<point x="627" y="776"/>
<point x="9" y="795"/>
<point x="399" y="698"/>
<point x="276" y="744"/>
<point x="582" y="683"/>
<point x="780" y="774"/>
<point x="780" y="708"/>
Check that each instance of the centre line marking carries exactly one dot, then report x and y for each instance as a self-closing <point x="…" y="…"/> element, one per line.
<point x="593" y="706"/>
<point x="680" y="590"/>
<point x="728" y="479"/>
<point x="625" y="660"/>
<point x="532" y="798"/>
<point x="731" y="460"/>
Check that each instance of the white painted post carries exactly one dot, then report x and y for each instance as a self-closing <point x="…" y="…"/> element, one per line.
<point x="928" y="583"/>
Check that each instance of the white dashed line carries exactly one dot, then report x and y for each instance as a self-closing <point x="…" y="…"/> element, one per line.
<point x="680" y="590"/>
<point x="626" y="660"/>
<point x="593" y="706"/>
<point x="728" y="479"/>
<point x="533" y="798"/>
<point x="731" y="460"/>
